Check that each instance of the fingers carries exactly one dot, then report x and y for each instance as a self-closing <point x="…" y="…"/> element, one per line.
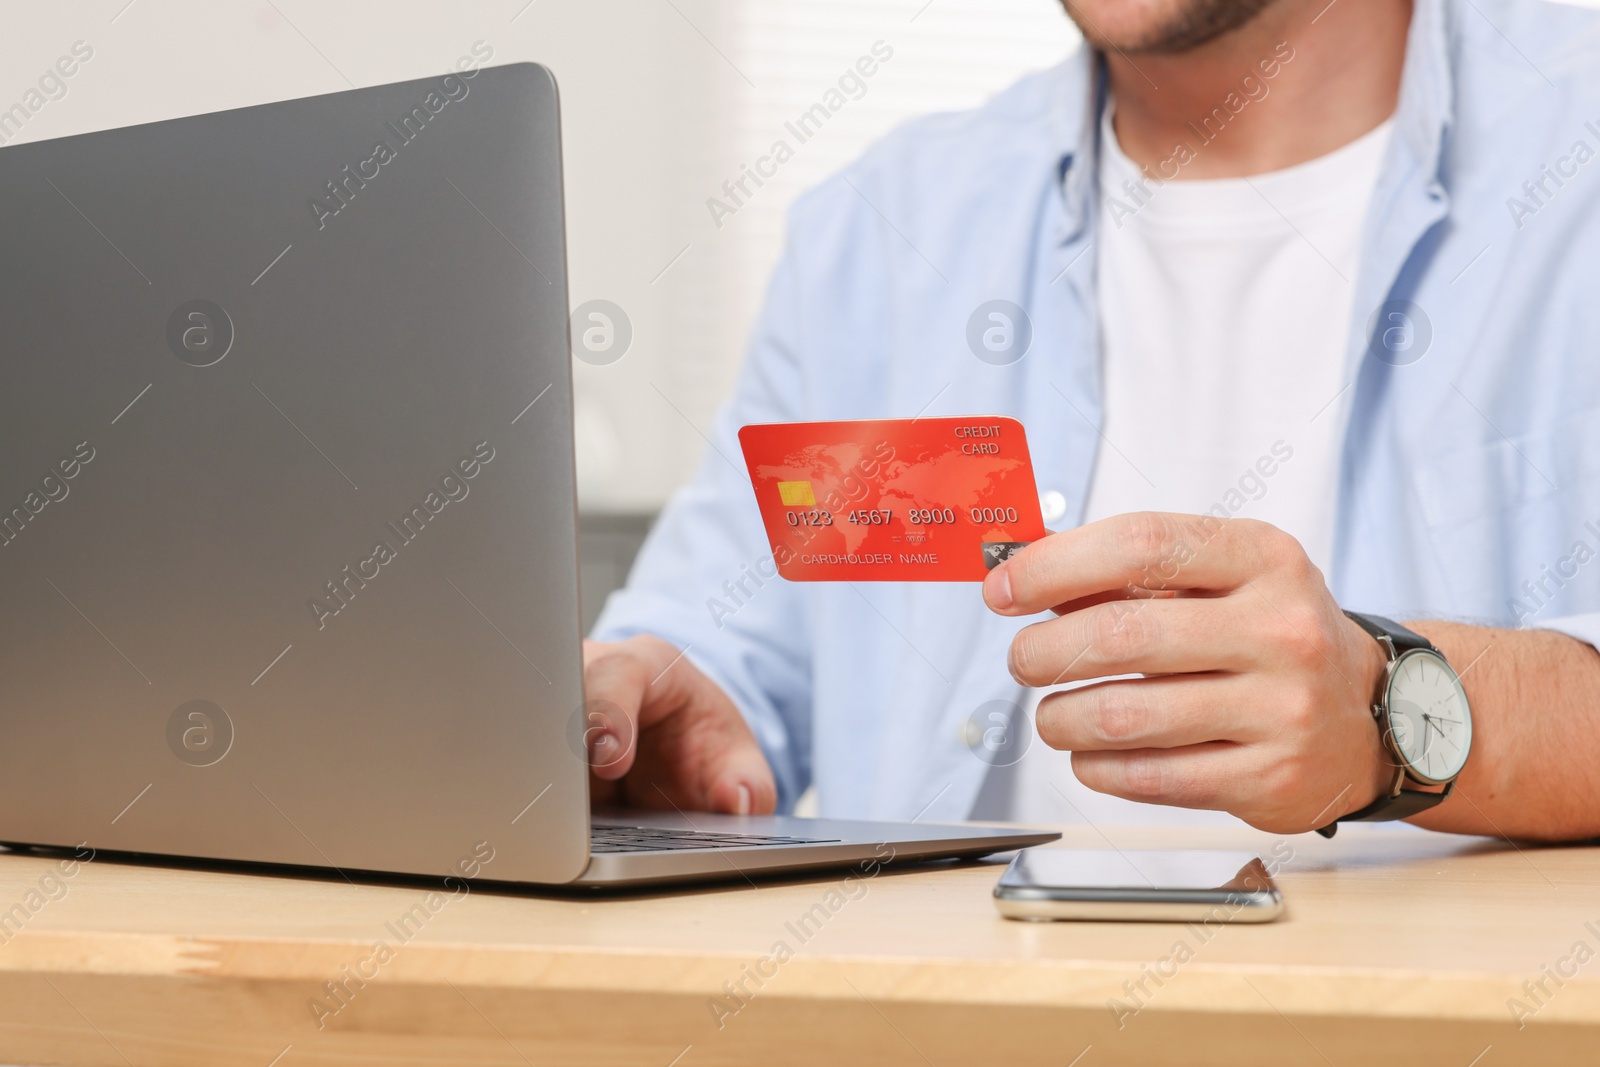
<point x="1271" y="794"/>
<point x="661" y="734"/>
<point x="704" y="758"/>
<point x="737" y="778"/>
<point x="1159" y="636"/>
<point x="1198" y="776"/>
<point x="1151" y="713"/>
<point x="1113" y="596"/>
<point x="1255" y="692"/>
<point x="1141" y="551"/>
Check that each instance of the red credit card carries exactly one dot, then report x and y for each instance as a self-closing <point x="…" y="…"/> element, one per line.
<point x="894" y="500"/>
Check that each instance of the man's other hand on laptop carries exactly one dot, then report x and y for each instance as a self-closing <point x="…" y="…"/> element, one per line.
<point x="1255" y="692"/>
<point x="660" y="734"/>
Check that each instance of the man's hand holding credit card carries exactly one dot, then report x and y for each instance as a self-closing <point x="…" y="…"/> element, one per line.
<point x="1220" y="671"/>
<point x="894" y="500"/>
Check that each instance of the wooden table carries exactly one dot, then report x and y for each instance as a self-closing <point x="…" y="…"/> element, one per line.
<point x="1402" y="944"/>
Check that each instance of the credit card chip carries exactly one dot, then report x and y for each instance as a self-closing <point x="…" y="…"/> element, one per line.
<point x="797" y="495"/>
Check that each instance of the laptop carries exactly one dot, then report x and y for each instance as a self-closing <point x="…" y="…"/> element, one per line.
<point x="288" y="548"/>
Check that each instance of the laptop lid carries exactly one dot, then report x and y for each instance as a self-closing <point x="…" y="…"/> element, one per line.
<point x="287" y="519"/>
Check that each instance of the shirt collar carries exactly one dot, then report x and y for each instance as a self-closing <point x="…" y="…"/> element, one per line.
<point x="1077" y="105"/>
<point x="1423" y="116"/>
<point x="1427" y="86"/>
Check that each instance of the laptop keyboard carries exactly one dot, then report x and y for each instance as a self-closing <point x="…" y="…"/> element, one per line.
<point x="660" y="839"/>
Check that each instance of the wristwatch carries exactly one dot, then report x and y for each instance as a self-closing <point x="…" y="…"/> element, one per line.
<point x="1422" y="714"/>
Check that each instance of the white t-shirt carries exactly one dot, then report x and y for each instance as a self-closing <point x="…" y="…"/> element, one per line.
<point x="1225" y="309"/>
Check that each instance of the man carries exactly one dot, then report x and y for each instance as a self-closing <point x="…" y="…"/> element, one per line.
<point x="1310" y="294"/>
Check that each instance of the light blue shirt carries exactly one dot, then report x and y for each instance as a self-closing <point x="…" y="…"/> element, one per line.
<point x="1470" y="482"/>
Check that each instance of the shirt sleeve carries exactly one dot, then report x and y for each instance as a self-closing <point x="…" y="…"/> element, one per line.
<point x="705" y="580"/>
<point x="1585" y="628"/>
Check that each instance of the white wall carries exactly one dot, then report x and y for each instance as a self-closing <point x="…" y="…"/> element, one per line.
<point x="663" y="100"/>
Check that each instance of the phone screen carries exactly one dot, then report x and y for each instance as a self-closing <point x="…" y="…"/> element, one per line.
<point x="1177" y="871"/>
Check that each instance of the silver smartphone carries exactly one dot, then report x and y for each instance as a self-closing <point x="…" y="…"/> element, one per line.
<point x="1181" y="885"/>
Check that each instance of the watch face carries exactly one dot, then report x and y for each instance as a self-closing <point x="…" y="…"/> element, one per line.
<point x="1428" y="716"/>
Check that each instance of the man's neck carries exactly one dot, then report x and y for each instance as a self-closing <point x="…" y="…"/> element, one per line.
<point x="1302" y="79"/>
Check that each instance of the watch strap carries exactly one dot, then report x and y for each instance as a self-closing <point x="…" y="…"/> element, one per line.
<point x="1404" y="640"/>
<point x="1390" y="807"/>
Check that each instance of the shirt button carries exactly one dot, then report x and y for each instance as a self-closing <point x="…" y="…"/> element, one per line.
<point x="1052" y="505"/>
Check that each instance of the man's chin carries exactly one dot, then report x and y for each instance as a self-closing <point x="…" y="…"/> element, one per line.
<point x="1160" y="27"/>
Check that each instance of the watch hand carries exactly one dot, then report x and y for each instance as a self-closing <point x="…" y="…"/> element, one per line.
<point x="1425" y="739"/>
<point x="1433" y="721"/>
